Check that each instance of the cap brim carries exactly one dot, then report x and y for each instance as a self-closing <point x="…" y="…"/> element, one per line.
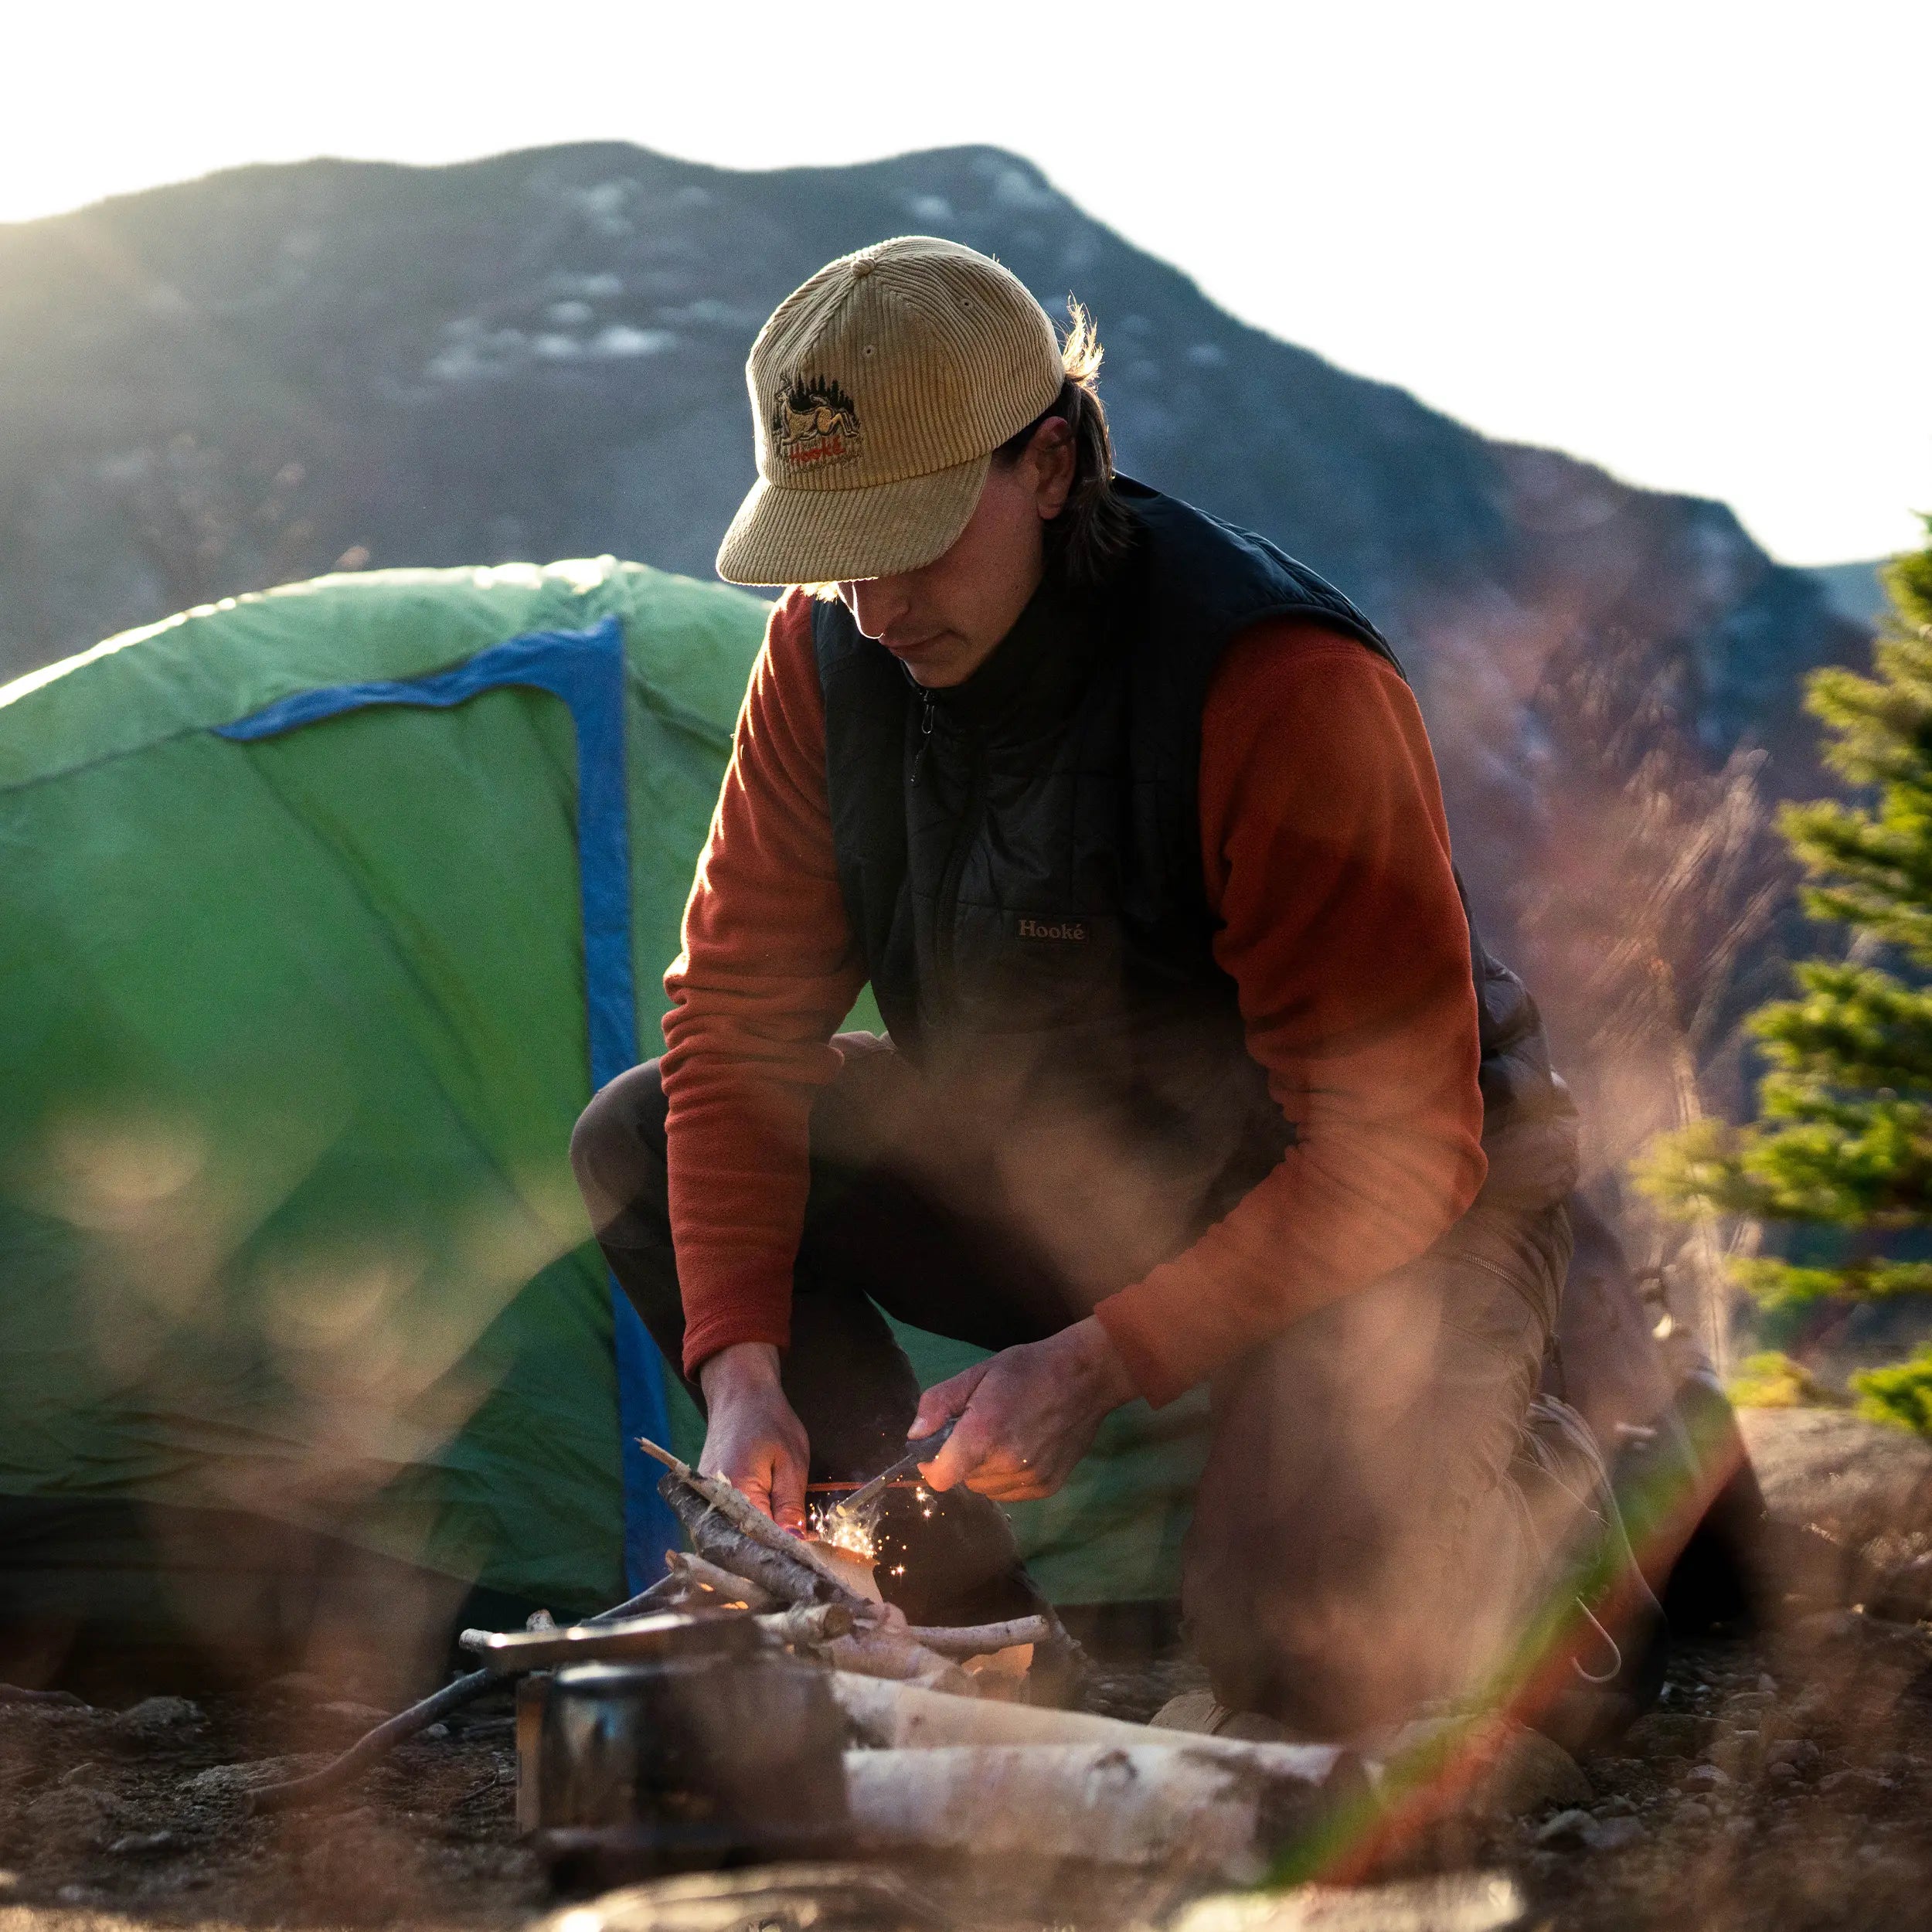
<point x="784" y="536"/>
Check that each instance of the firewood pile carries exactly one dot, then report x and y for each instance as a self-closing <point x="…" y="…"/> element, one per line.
<point x="942" y="1754"/>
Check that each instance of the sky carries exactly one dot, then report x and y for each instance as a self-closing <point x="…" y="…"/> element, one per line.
<point x="1685" y="240"/>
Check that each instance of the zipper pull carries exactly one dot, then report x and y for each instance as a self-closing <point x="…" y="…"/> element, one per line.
<point x="925" y="732"/>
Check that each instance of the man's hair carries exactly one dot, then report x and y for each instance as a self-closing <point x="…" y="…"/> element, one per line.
<point x="1095" y="530"/>
<point x="1089" y="537"/>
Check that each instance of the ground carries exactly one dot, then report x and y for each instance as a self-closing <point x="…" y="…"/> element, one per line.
<point x="1784" y="1783"/>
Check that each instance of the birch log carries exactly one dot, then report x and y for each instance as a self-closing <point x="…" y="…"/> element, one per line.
<point x="905" y="1716"/>
<point x="1164" y="1805"/>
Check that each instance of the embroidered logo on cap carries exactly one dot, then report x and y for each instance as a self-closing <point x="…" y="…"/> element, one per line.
<point x="814" y="422"/>
<point x="1052" y="928"/>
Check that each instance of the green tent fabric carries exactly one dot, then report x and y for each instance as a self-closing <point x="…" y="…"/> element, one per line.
<point x="297" y="1025"/>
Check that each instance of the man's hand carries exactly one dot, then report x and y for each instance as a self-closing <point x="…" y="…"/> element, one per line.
<point x="1026" y="1416"/>
<point x="754" y="1440"/>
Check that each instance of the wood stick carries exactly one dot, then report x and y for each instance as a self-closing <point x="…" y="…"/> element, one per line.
<point x="746" y="1517"/>
<point x="879" y="1654"/>
<point x="903" y="1716"/>
<point x="811" y="1626"/>
<point x="376" y="1744"/>
<point x="788" y="1578"/>
<point x="420" y="1716"/>
<point x="980" y="1640"/>
<point x="725" y="1583"/>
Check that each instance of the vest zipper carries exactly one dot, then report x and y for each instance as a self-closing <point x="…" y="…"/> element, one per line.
<point x="925" y="732"/>
<point x="946" y="913"/>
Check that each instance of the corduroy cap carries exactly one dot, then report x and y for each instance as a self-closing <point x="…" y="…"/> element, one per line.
<point x="879" y="391"/>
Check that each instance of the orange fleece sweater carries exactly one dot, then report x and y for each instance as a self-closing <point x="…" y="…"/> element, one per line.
<point x="1325" y="856"/>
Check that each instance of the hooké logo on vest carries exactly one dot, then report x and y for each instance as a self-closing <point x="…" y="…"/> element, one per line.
<point x="1045" y="929"/>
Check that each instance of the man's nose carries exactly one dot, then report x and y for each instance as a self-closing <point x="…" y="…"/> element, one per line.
<point x="874" y="603"/>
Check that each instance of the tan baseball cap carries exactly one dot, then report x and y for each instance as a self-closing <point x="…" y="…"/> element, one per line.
<point x="879" y="391"/>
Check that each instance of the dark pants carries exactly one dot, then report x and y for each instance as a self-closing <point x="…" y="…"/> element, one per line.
<point x="1358" y="1543"/>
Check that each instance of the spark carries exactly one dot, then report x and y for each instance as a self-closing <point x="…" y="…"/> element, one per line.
<point x="833" y="1527"/>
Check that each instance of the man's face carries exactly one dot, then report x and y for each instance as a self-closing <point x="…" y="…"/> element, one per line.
<point x="943" y="620"/>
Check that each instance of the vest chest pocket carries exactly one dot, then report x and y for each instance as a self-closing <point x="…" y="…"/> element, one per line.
<point x="1020" y="972"/>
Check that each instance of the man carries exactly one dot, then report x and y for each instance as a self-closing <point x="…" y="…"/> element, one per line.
<point x="1195" y="1074"/>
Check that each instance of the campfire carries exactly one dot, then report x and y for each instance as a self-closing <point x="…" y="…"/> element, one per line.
<point x="763" y="1688"/>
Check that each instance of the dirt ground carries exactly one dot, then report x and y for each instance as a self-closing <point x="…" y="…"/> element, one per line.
<point x="1784" y="1784"/>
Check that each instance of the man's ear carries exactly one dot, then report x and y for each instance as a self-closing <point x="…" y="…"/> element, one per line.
<point x="1050" y="455"/>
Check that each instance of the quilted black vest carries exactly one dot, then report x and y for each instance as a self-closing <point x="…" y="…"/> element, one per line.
<point x="1020" y="855"/>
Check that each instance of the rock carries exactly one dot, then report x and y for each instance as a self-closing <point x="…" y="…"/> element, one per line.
<point x="18" y="1715"/>
<point x="154" y="1718"/>
<point x="69" y="1812"/>
<point x="1194" y="1710"/>
<point x="1706" y="1777"/>
<point x="1527" y="1772"/>
<point x="1533" y="1771"/>
<point x="31" y="1699"/>
<point x="1572" y="1827"/>
<point x="77" y="1895"/>
<point x="1814" y="1705"/>
<point x="233" y="1781"/>
<point x="1612" y="1834"/>
<point x="1693" y="1811"/>
<point x="1667" y="1734"/>
<point x="1905" y="1591"/>
<point x="143" y="1845"/>
<point x="1858" y="1482"/>
<point x="1449" y="1902"/>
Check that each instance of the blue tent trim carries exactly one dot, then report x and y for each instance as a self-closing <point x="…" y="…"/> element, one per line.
<point x="586" y="669"/>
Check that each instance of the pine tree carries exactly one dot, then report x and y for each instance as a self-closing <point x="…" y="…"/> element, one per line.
<point x="1843" y="1147"/>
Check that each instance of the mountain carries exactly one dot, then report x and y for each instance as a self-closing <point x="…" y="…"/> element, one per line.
<point x="208" y="387"/>
<point x="1854" y="591"/>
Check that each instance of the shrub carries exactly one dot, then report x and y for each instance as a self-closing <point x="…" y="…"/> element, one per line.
<point x="1775" y="1381"/>
<point x="1901" y="1395"/>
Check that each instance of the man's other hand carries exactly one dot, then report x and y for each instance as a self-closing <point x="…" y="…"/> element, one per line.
<point x="754" y="1440"/>
<point x="1026" y="1416"/>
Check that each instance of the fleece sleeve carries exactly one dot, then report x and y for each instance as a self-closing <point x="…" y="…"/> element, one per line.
<point x="1326" y="854"/>
<point x="768" y="970"/>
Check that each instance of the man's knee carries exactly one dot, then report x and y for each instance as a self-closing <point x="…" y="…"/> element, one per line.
<point x="617" y="1147"/>
<point x="1336" y="1628"/>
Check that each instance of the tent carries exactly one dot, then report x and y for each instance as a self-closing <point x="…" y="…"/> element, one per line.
<point x="322" y="910"/>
